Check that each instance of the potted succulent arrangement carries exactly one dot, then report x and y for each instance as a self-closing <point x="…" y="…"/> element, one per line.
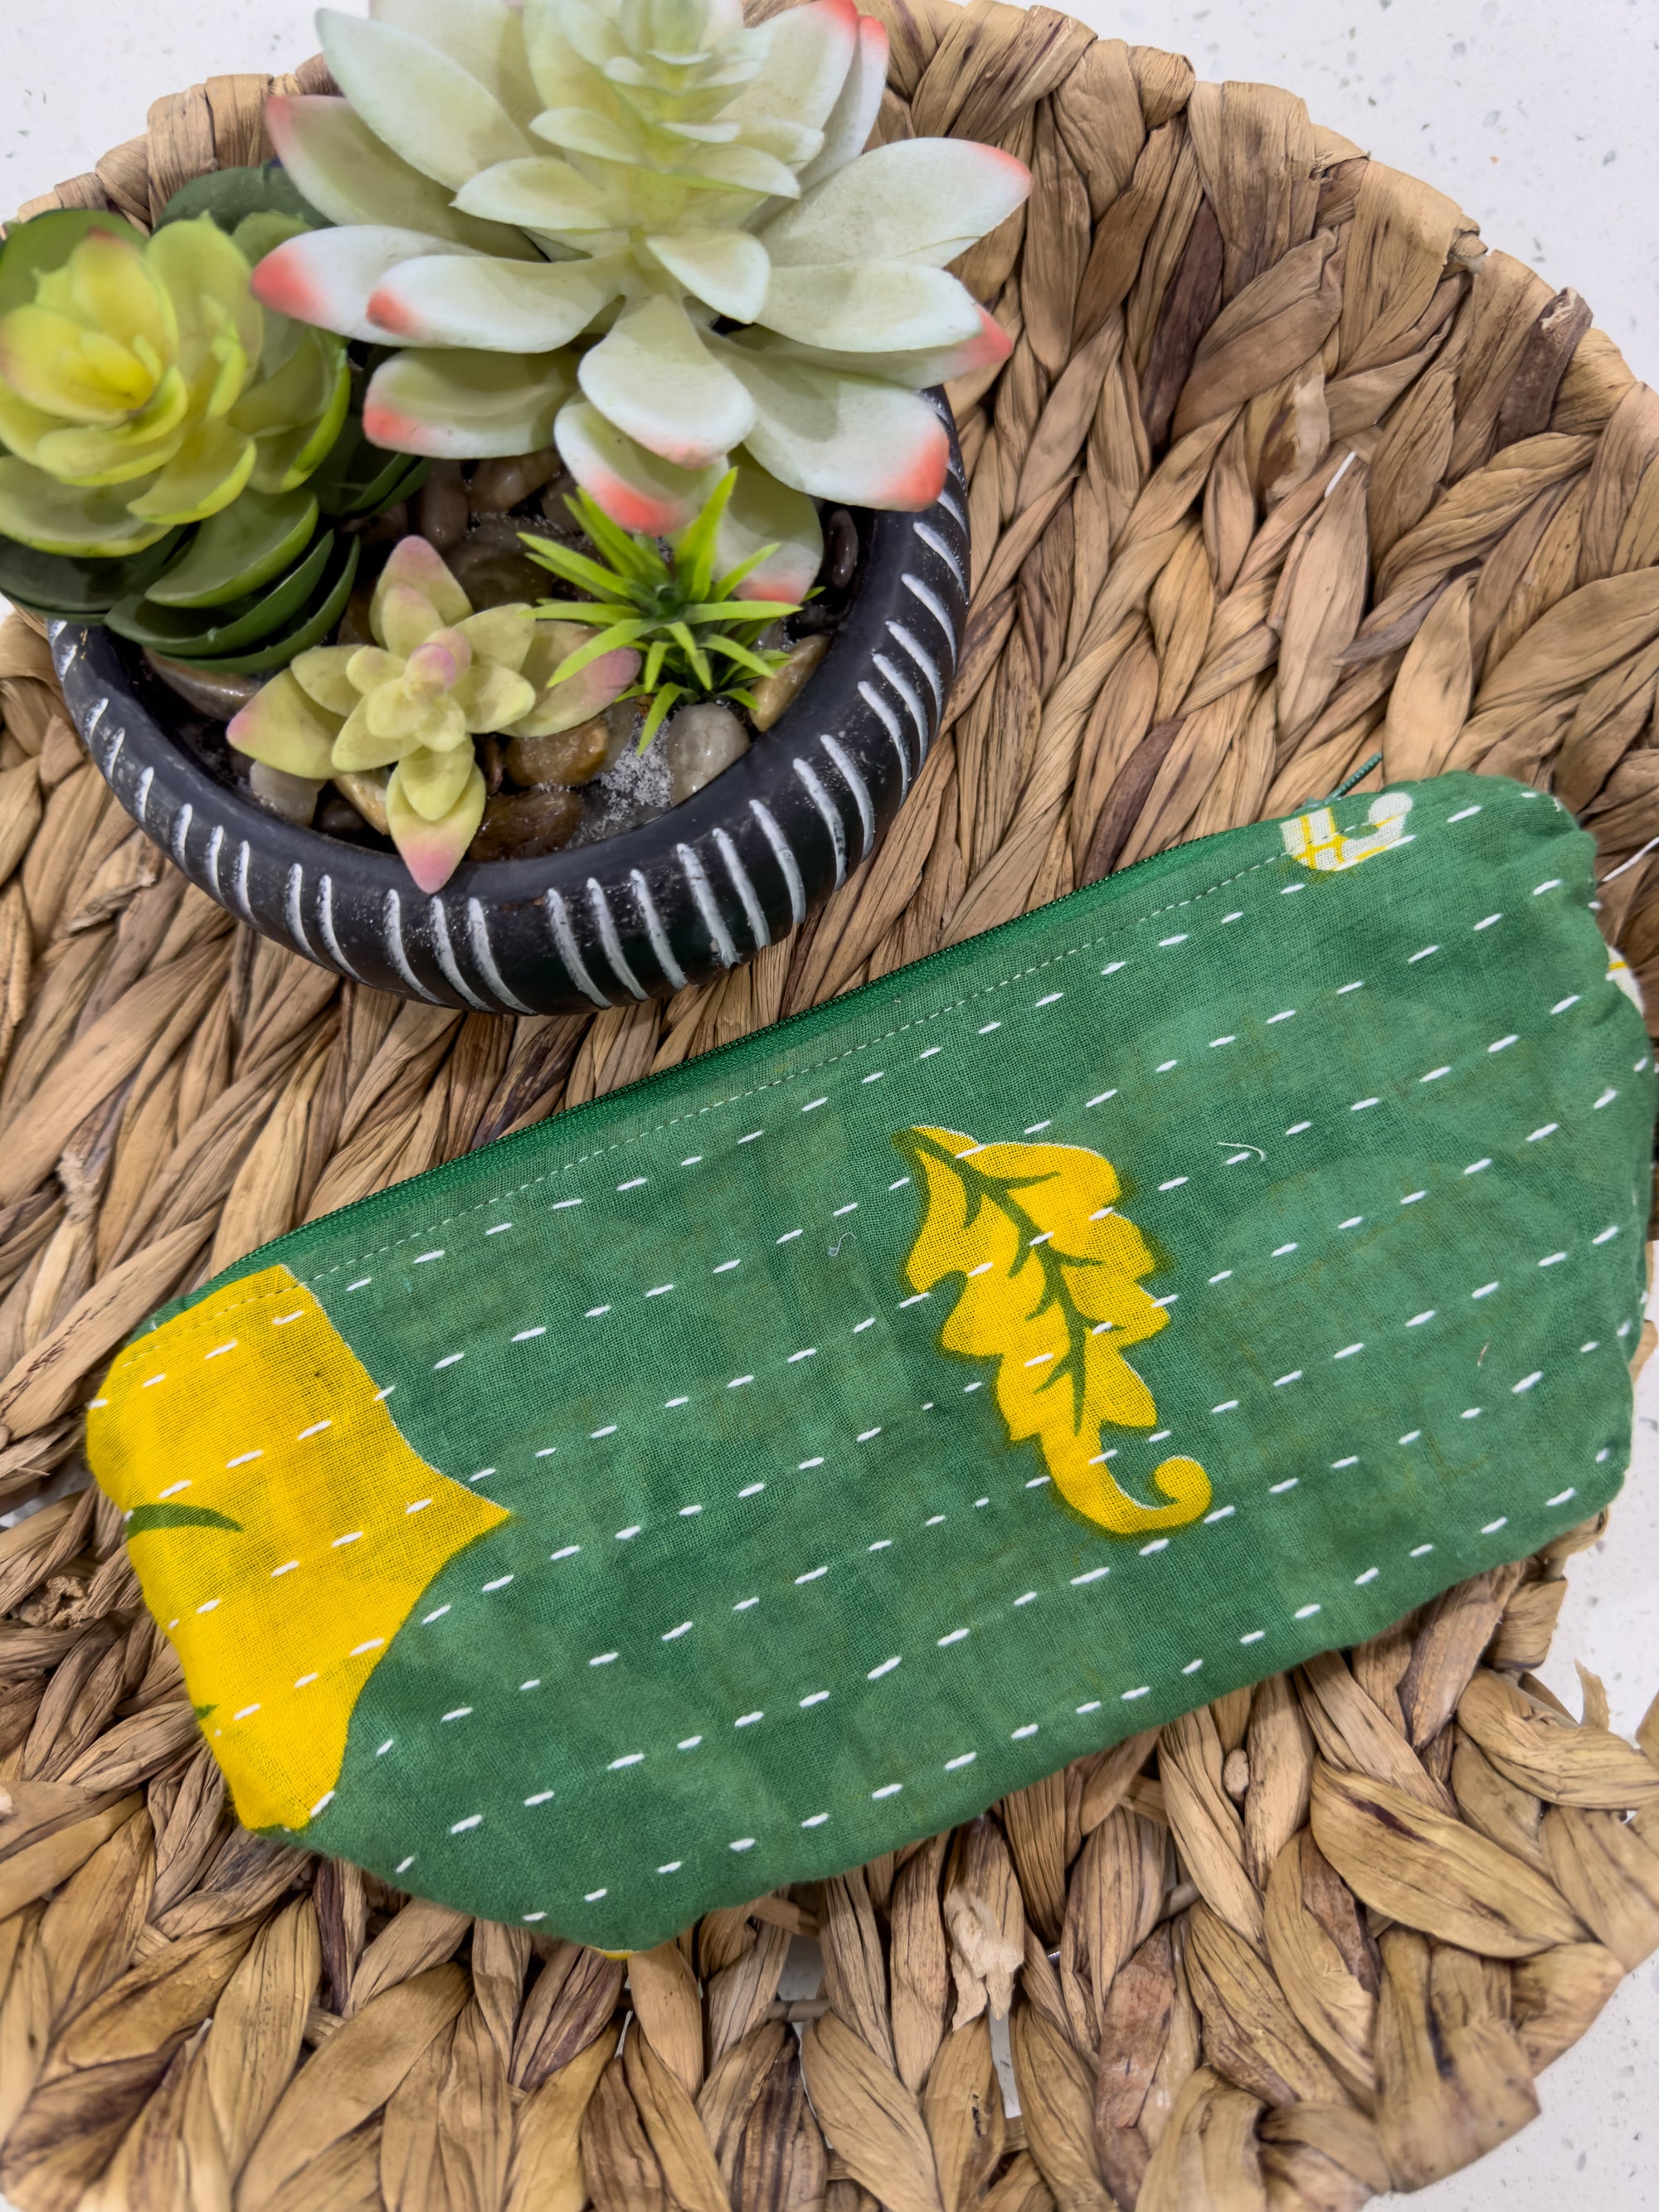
<point x="507" y="548"/>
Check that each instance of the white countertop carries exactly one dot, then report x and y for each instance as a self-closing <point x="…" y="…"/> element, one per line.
<point x="1543" y="125"/>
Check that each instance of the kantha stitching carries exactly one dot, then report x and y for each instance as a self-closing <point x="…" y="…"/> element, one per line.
<point x="736" y="1098"/>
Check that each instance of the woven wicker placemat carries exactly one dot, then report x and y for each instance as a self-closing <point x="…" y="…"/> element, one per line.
<point x="1286" y="467"/>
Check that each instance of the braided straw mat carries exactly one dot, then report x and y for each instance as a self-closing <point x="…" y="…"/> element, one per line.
<point x="1286" y="467"/>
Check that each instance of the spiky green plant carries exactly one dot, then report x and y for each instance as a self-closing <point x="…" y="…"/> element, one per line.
<point x="697" y="638"/>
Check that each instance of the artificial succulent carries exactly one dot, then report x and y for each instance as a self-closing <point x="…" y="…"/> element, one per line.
<point x="437" y="676"/>
<point x="268" y="576"/>
<point x="697" y="636"/>
<point x="142" y="385"/>
<point x="651" y="233"/>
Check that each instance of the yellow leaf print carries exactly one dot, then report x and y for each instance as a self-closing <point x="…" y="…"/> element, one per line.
<point x="279" y="1523"/>
<point x="1051" y="1290"/>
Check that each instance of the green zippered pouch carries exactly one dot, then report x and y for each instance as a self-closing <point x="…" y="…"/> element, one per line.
<point x="723" y="1483"/>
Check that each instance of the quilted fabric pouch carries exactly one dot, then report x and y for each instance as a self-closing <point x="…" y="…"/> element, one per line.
<point x="723" y="1483"/>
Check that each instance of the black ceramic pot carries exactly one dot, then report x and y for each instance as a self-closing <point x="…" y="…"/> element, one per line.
<point x="702" y="888"/>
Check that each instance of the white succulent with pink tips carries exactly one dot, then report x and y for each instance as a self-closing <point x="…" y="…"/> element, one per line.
<point x="438" y="676"/>
<point x="641" y="227"/>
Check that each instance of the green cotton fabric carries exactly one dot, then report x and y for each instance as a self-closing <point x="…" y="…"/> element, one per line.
<point x="847" y="1428"/>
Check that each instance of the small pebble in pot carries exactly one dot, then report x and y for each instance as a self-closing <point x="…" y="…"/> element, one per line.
<point x="494" y="569"/>
<point x="623" y="717"/>
<point x="814" y="620"/>
<point x="702" y="742"/>
<point x="569" y="757"/>
<point x="293" y="797"/>
<point x="552" y="504"/>
<point x="500" y="533"/>
<point x="441" y="509"/>
<point x="520" y="825"/>
<point x="773" y="693"/>
<point x="354" y="624"/>
<point x="385" y="529"/>
<point x="218" y="697"/>
<point x="366" y="792"/>
<point x="338" y="818"/>
<point x="841" y="548"/>
<point x="497" y="485"/>
<point x="492" y="759"/>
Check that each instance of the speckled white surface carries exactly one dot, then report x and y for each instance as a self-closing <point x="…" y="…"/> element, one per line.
<point x="1542" y="122"/>
<point x="1538" y="118"/>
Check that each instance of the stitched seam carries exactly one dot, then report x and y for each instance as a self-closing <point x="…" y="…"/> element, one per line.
<point x="736" y="1098"/>
<point x="739" y="1097"/>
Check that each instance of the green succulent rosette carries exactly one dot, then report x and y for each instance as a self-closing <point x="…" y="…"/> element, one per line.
<point x="142" y="385"/>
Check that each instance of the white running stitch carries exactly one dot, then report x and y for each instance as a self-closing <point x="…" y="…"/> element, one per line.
<point x="495" y="1199"/>
<point x="939" y="1013"/>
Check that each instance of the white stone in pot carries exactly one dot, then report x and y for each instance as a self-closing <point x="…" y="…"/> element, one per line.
<point x="702" y="742"/>
<point x="293" y="797"/>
